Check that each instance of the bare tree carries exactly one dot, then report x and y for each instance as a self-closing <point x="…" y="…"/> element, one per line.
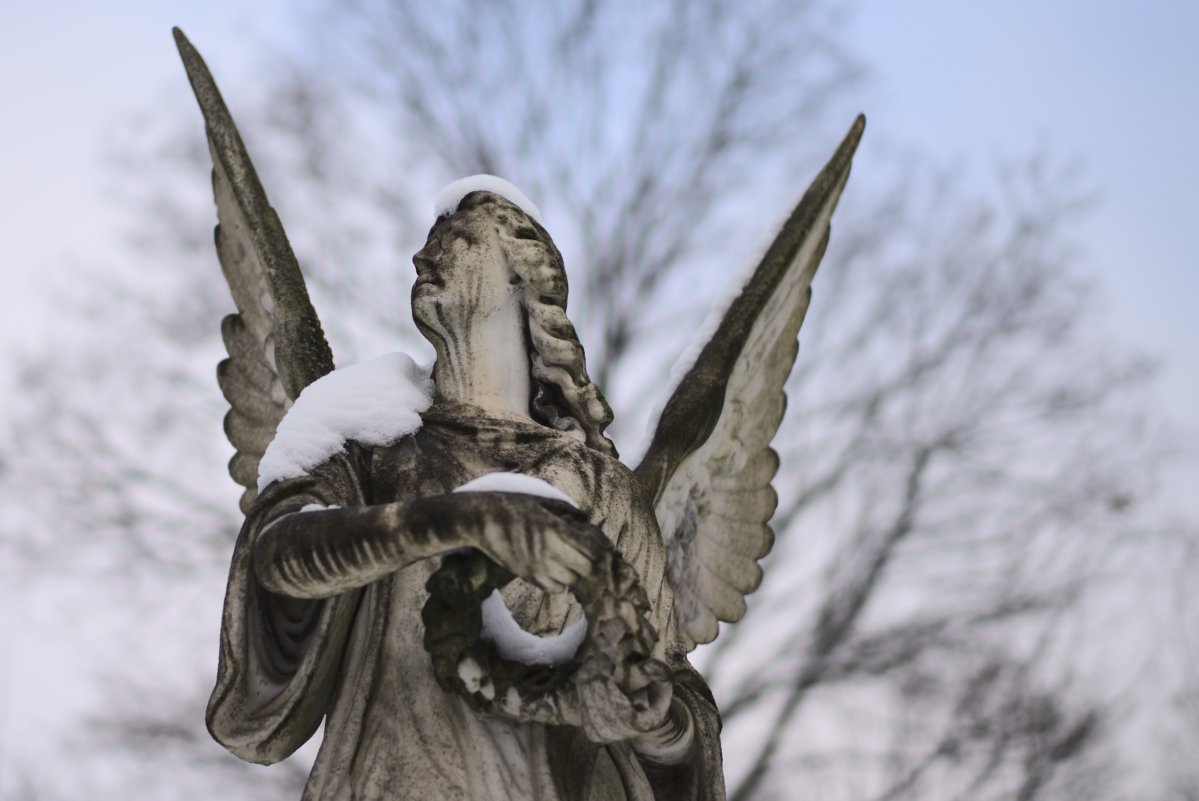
<point x="957" y="453"/>
<point x="1178" y="745"/>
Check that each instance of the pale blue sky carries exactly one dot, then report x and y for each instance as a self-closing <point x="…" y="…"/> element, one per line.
<point x="974" y="82"/>
<point x="73" y="73"/>
<point x="1113" y="83"/>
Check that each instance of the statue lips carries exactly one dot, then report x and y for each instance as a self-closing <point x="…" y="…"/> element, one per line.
<point x="426" y="271"/>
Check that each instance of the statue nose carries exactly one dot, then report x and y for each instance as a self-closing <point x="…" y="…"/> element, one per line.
<point x="425" y="259"/>
<point x="426" y="268"/>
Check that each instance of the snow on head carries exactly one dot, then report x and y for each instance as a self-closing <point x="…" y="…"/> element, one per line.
<point x="375" y="403"/>
<point x="449" y="198"/>
<point x="499" y="627"/>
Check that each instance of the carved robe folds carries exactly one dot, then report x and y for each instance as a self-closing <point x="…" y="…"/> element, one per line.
<point x="357" y="660"/>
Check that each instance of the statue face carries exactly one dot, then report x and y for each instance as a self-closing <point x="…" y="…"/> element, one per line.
<point x="463" y="272"/>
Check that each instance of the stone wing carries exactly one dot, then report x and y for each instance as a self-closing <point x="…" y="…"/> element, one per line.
<point x="709" y="466"/>
<point x="275" y="342"/>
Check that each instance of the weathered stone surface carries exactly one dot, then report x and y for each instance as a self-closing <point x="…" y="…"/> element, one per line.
<point x="355" y="587"/>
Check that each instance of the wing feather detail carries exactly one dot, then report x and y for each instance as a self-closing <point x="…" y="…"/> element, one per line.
<point x="709" y="466"/>
<point x="275" y="342"/>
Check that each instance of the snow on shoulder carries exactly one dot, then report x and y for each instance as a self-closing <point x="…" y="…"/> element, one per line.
<point x="374" y="402"/>
<point x="499" y="627"/>
<point x="449" y="198"/>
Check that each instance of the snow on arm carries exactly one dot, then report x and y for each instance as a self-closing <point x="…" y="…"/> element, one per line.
<point x="499" y="627"/>
<point x="516" y="482"/>
<point x="449" y="198"/>
<point x="375" y="403"/>
<point x="318" y="507"/>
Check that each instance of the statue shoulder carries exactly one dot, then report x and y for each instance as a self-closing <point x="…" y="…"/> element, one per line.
<point x="373" y="403"/>
<point x="607" y="478"/>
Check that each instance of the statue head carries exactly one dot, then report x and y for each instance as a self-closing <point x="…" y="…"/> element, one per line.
<point x="489" y="252"/>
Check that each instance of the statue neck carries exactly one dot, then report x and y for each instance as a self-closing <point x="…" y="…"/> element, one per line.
<point x="486" y="364"/>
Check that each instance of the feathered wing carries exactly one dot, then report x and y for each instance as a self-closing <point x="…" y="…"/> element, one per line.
<point x="275" y="342"/>
<point x="709" y="466"/>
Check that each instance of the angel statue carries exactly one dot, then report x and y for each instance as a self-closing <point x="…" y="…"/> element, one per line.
<point x="448" y="567"/>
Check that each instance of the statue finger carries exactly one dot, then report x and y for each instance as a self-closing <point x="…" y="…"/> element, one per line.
<point x="589" y="541"/>
<point x="563" y="509"/>
<point x="549" y="583"/>
<point x="637" y="678"/>
<point x="605" y="711"/>
<point x="561" y="572"/>
<point x="577" y="559"/>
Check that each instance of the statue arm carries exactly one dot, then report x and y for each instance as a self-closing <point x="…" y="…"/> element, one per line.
<point x="682" y="758"/>
<point x="318" y="554"/>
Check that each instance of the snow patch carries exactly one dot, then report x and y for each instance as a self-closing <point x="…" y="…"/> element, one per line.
<point x="449" y="198"/>
<point x="512" y="701"/>
<point x="517" y="645"/>
<point x="375" y="402"/>
<point x="318" y="507"/>
<point x="499" y="627"/>
<point x="471" y="673"/>
<point x="516" y="482"/>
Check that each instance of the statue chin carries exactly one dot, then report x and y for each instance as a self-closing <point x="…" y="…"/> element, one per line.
<point x="426" y="303"/>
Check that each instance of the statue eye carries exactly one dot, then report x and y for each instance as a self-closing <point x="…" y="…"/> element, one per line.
<point x="525" y="233"/>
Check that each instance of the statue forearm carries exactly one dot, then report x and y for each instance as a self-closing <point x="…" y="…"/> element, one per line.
<point x="317" y="554"/>
<point x="668" y="756"/>
<point x="682" y="759"/>
<point x="322" y="553"/>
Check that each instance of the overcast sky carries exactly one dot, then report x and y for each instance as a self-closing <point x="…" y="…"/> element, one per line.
<point x="1112" y="83"/>
<point x="975" y="83"/>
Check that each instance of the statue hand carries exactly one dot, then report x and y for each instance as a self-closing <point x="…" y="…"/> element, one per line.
<point x="544" y="541"/>
<point x="623" y="691"/>
<point x="612" y="712"/>
<point x="669" y="743"/>
<point x="615" y="689"/>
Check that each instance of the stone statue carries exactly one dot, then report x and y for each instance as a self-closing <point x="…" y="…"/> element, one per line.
<point x="449" y="568"/>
